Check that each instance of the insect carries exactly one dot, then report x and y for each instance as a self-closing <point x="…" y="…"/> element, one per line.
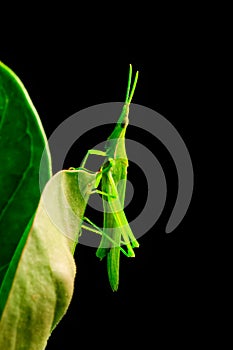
<point x="112" y="179"/>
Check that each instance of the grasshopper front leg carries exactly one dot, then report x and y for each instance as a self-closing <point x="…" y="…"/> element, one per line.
<point x="92" y="152"/>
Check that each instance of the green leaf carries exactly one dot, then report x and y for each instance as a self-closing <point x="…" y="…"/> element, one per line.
<point x="22" y="142"/>
<point x="44" y="280"/>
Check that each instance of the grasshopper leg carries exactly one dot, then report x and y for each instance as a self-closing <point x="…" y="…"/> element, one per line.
<point x="91" y="152"/>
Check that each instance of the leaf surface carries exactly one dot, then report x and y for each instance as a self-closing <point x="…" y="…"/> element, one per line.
<point x="22" y="143"/>
<point x="44" y="279"/>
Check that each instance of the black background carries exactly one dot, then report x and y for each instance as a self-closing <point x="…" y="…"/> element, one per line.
<point x="162" y="295"/>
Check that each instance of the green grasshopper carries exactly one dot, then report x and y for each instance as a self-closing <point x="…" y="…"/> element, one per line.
<point x="112" y="177"/>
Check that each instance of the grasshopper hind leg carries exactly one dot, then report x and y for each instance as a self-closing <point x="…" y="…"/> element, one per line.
<point x="113" y="265"/>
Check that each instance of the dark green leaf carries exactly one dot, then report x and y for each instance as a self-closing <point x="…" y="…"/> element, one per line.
<point x="22" y="142"/>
